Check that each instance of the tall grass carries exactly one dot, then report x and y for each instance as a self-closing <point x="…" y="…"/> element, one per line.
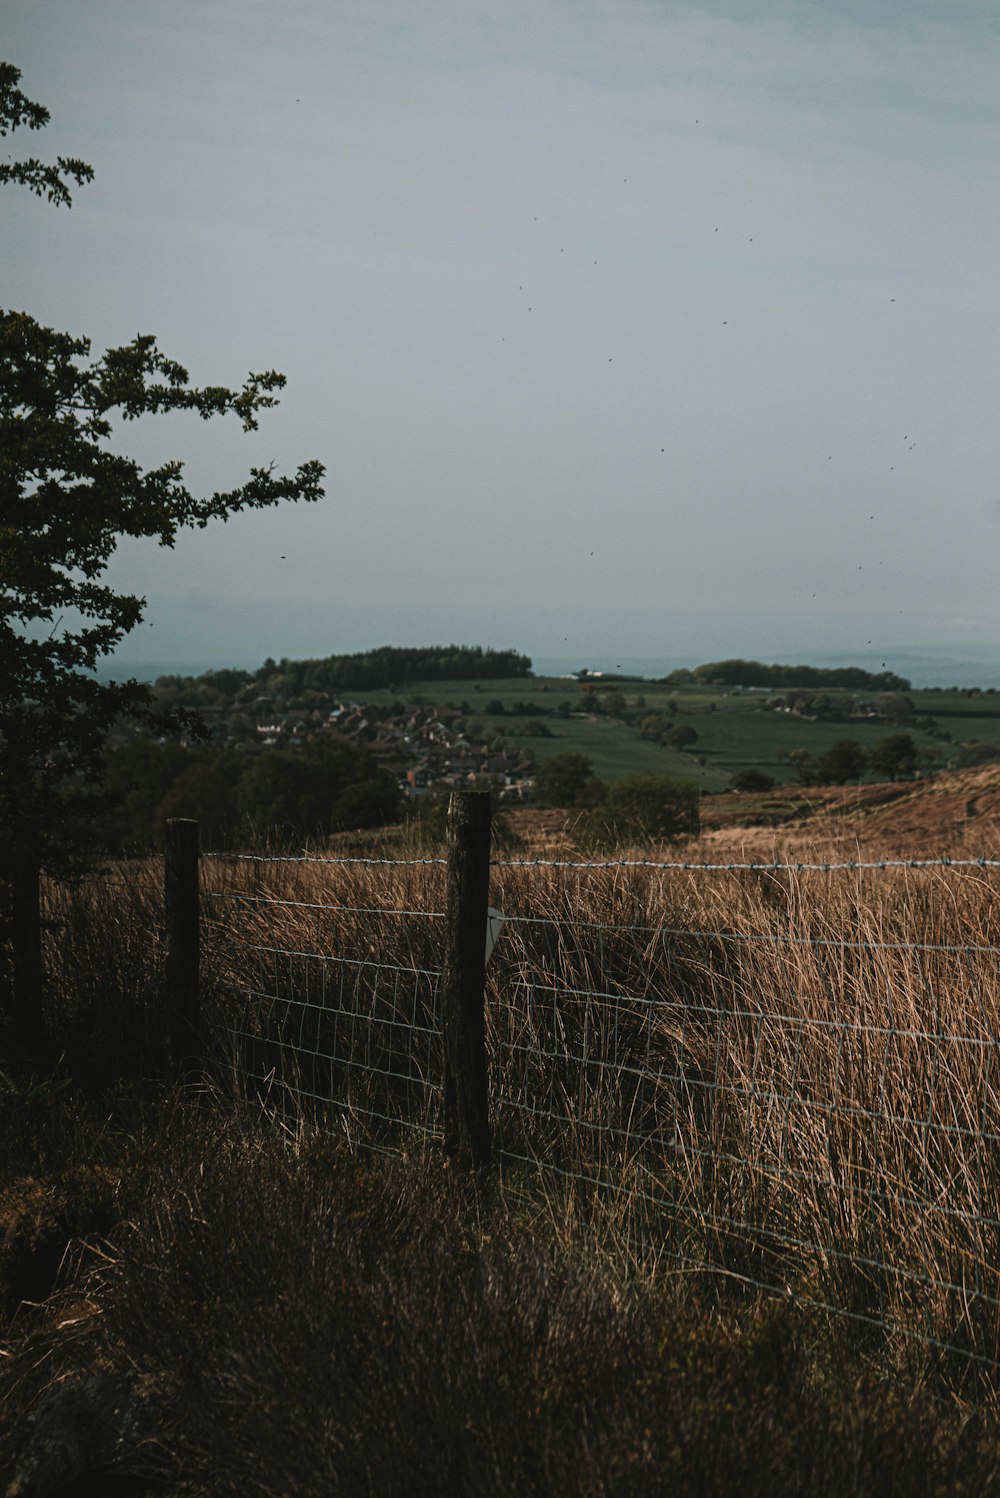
<point x="769" y="1081"/>
<point x="290" y="1318"/>
<point x="747" y="1125"/>
<point x="103" y="978"/>
<point x="780" y="1081"/>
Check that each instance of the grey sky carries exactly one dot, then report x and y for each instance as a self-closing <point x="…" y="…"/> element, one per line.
<point x="626" y="326"/>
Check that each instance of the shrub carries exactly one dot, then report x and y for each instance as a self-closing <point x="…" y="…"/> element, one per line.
<point x="645" y="808"/>
<point x="752" y="780"/>
<point x="895" y="756"/>
<point x="560" y="780"/>
<point x="843" y="761"/>
<point x="682" y="736"/>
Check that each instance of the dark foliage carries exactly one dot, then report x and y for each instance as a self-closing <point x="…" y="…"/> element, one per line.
<point x="317" y="1323"/>
<point x="643" y="808"/>
<point x="752" y="780"/>
<point x="312" y="790"/>
<point x="740" y="673"/>
<point x="389" y="666"/>
<point x="39" y="177"/>
<point x="895" y="756"/>
<point x="564" y="779"/>
<point x="67" y="496"/>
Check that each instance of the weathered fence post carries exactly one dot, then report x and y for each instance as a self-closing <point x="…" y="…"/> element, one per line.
<point x="466" y="1103"/>
<point x="181" y="903"/>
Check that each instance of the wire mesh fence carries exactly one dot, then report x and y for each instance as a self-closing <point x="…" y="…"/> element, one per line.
<point x="330" y="1004"/>
<point x="780" y="1076"/>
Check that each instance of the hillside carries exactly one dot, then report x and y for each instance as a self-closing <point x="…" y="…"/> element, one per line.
<point x="954" y="814"/>
<point x="702" y="732"/>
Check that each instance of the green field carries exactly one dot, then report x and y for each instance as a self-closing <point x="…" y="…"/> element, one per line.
<point x="735" y="729"/>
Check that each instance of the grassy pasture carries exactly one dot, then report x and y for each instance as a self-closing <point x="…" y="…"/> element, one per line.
<point x="615" y="750"/>
<point x="735" y="730"/>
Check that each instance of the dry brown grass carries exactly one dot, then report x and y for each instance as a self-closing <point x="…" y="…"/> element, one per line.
<point x="956" y="813"/>
<point x="289" y="1317"/>
<point x="712" y="1093"/>
<point x="784" y="1080"/>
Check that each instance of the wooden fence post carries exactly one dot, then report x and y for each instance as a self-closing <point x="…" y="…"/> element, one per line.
<point x="466" y="1102"/>
<point x="182" y="910"/>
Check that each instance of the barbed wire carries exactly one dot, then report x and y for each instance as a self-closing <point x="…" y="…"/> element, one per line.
<point x="403" y="863"/>
<point x="651" y="929"/>
<point x="757" y="868"/>
<point x="683" y="866"/>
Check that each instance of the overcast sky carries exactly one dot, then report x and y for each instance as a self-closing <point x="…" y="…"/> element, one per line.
<point x="630" y="327"/>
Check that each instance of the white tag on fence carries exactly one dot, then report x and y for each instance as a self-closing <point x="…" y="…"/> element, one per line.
<point x="494" y="921"/>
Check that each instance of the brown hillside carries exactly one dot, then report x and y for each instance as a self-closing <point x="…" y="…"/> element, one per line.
<point x="954" y="814"/>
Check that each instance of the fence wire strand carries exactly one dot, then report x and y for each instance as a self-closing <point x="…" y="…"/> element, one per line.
<point x="804" y="1102"/>
<point x="850" y="865"/>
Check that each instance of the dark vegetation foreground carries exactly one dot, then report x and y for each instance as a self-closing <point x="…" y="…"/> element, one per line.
<point x="266" y="1314"/>
<point x="200" y="1298"/>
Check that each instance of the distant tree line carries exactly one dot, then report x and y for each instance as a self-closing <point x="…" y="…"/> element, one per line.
<point x="894" y="757"/>
<point x="740" y="673"/>
<point x="302" y="681"/>
<point x="391" y="665"/>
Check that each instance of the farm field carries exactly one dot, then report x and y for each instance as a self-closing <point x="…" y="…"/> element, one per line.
<point x="736" y="731"/>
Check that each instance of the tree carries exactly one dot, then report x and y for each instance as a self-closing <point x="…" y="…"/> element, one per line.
<point x="328" y="785"/>
<point x="804" y="766"/>
<point x="645" y="808"/>
<point x="843" y="761"/>
<point x="752" y="780"/>
<point x="593" y="792"/>
<point x="559" y="781"/>
<point x="895" y="756"/>
<point x="203" y="790"/>
<point x="47" y="181"/>
<point x="324" y="787"/>
<point x="66" y="497"/>
<point x="652" y="726"/>
<point x="136" y="779"/>
<point x="682" y="736"/>
<point x="977" y="752"/>
<point x="895" y="706"/>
